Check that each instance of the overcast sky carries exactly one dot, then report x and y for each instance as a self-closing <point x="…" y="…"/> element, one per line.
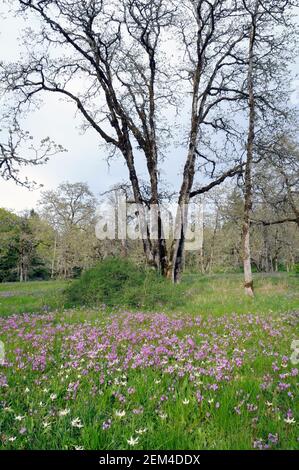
<point x="85" y="159"/>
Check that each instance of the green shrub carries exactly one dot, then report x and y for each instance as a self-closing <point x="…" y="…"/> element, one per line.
<point x="119" y="282"/>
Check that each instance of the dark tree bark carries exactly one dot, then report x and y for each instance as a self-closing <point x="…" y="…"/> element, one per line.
<point x="248" y="279"/>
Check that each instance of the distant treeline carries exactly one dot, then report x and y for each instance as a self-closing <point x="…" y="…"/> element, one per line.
<point x="59" y="241"/>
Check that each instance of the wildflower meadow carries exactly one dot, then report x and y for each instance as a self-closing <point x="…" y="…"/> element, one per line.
<point x="93" y="379"/>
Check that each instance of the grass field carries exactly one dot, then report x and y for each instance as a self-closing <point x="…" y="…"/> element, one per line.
<point x="215" y="374"/>
<point x="30" y="297"/>
<point x="215" y="294"/>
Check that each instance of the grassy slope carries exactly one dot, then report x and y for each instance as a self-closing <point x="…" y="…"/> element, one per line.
<point x="223" y="294"/>
<point x="216" y="294"/>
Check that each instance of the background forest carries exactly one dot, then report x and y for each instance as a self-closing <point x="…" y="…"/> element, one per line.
<point x="58" y="240"/>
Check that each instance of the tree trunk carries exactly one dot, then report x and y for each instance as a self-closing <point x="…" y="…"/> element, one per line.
<point x="159" y="245"/>
<point x="146" y="241"/>
<point x="177" y="249"/>
<point x="248" y="279"/>
<point x="175" y="264"/>
<point x="54" y="257"/>
<point x="211" y="256"/>
<point x="21" y="277"/>
<point x="124" y="248"/>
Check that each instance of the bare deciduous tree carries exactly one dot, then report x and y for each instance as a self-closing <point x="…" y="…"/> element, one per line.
<point x="278" y="181"/>
<point x="267" y="54"/>
<point x="70" y="210"/>
<point x="131" y="84"/>
<point x="18" y="151"/>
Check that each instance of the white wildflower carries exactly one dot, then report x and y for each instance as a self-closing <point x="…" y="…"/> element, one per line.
<point x="76" y="423"/>
<point x="290" y="420"/>
<point x="120" y="414"/>
<point x="132" y="441"/>
<point x="19" y="418"/>
<point x="141" y="431"/>
<point x="64" y="412"/>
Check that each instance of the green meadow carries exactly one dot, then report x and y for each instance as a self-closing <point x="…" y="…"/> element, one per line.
<point x="219" y="372"/>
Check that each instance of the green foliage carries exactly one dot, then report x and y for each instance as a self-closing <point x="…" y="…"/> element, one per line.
<point x="25" y="247"/>
<point x="119" y="282"/>
<point x="9" y="235"/>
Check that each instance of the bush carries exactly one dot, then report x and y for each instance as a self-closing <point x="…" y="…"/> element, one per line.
<point x="119" y="282"/>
